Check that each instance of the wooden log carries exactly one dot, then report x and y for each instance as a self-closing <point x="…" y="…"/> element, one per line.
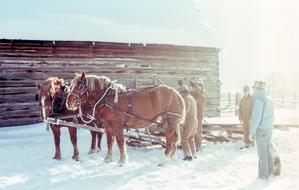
<point x="20" y="98"/>
<point x="22" y="83"/>
<point x="94" y="50"/>
<point x="102" y="45"/>
<point x="19" y="114"/>
<point x="19" y="106"/>
<point x="23" y="76"/>
<point x="18" y="121"/>
<point x="17" y="90"/>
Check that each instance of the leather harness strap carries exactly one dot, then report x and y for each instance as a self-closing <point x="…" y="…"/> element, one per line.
<point x="129" y="113"/>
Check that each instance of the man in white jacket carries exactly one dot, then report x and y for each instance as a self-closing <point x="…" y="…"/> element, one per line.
<point x="261" y="128"/>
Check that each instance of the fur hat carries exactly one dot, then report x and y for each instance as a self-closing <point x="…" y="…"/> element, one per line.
<point x="196" y="81"/>
<point x="246" y="88"/>
<point x="259" y="85"/>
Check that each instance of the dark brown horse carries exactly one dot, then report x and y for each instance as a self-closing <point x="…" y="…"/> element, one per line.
<point x="117" y="108"/>
<point x="53" y="93"/>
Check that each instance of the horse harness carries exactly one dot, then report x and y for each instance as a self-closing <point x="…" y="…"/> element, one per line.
<point x="129" y="113"/>
<point x="107" y="93"/>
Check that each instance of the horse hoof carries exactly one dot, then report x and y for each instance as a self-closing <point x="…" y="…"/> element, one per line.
<point x="188" y="158"/>
<point x="76" y="158"/>
<point x="92" y="151"/>
<point x="108" y="159"/>
<point x="57" y="158"/>
<point x="122" y="163"/>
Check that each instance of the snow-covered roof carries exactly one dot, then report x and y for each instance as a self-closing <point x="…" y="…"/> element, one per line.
<point x="138" y="21"/>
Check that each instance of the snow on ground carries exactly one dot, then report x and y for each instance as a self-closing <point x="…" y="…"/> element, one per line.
<point x="26" y="163"/>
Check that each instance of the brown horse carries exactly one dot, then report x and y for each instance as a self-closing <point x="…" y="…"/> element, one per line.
<point x="117" y="108"/>
<point x="52" y="93"/>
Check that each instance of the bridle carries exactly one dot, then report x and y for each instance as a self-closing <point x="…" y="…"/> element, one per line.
<point x="82" y="90"/>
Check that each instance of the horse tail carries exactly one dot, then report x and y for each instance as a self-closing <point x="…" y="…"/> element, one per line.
<point x="181" y="119"/>
<point x="183" y="110"/>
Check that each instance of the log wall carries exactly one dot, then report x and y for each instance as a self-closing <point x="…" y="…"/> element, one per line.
<point x="23" y="63"/>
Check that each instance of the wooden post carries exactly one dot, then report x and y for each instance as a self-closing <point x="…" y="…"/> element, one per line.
<point x="229" y="99"/>
<point x="237" y="98"/>
<point x="294" y="100"/>
<point x="135" y="83"/>
<point x="282" y="102"/>
<point x="154" y="79"/>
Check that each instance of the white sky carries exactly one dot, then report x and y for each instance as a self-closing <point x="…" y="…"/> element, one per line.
<point x="140" y="21"/>
<point x="258" y="37"/>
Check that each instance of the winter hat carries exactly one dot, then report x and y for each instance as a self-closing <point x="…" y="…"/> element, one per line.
<point x="183" y="88"/>
<point x="246" y="88"/>
<point x="259" y="85"/>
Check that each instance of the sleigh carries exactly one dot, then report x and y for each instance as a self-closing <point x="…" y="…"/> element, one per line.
<point x="134" y="138"/>
<point x="153" y="136"/>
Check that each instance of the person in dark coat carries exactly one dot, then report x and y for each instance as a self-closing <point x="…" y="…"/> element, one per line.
<point x="244" y="113"/>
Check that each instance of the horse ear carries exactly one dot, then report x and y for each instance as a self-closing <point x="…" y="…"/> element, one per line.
<point x="61" y="80"/>
<point x="38" y="86"/>
<point x="83" y="76"/>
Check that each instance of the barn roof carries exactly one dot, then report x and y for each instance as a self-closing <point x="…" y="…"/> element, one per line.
<point x="175" y="22"/>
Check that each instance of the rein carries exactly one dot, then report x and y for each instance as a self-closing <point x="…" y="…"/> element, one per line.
<point x="92" y="117"/>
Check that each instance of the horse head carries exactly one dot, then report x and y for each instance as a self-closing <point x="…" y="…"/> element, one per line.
<point x="46" y="92"/>
<point x="86" y="88"/>
<point x="59" y="100"/>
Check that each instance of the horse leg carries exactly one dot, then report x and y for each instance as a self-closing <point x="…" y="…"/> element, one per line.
<point x="119" y="134"/>
<point x="109" y="156"/>
<point x="170" y="144"/>
<point x="99" y="135"/>
<point x="93" y="142"/>
<point x="176" y="140"/>
<point x="192" y="146"/>
<point x="73" y="137"/>
<point x="56" y="134"/>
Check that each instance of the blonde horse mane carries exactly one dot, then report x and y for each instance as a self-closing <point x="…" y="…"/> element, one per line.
<point x="102" y="81"/>
<point x="50" y="82"/>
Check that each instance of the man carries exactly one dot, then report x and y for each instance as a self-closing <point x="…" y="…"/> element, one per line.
<point x="261" y="129"/>
<point x="200" y="96"/>
<point x="244" y="113"/>
<point x="189" y="128"/>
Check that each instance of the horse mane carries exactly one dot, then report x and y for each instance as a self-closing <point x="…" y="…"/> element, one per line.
<point x="102" y="81"/>
<point x="51" y="81"/>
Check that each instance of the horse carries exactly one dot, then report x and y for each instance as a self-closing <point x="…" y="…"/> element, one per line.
<point x="51" y="94"/>
<point x="118" y="108"/>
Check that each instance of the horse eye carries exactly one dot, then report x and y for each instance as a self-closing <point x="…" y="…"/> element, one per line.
<point x="81" y="87"/>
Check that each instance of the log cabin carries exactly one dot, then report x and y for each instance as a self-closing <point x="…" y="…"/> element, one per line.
<point x="137" y="52"/>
